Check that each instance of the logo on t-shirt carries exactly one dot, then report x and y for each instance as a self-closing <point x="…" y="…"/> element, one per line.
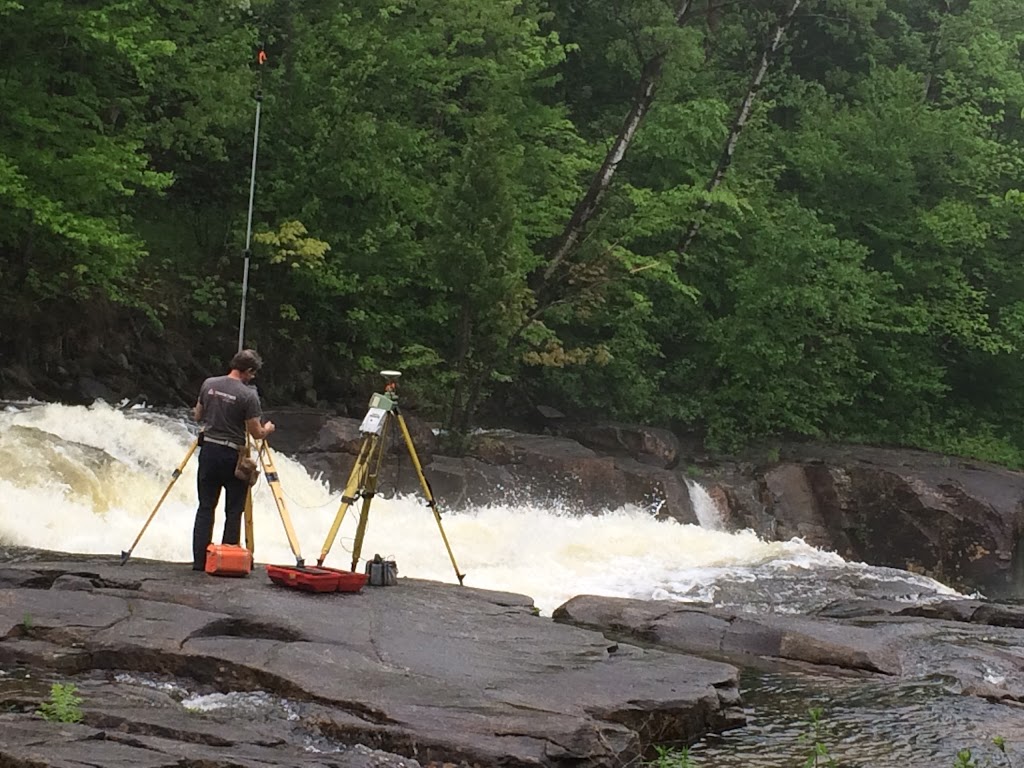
<point x="222" y="395"/>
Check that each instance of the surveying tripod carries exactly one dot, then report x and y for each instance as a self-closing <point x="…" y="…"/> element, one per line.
<point x="266" y="461"/>
<point x="383" y="413"/>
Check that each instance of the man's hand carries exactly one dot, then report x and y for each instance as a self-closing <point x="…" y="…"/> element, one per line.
<point x="257" y="430"/>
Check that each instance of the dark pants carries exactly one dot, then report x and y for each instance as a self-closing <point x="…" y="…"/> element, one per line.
<point x="216" y="471"/>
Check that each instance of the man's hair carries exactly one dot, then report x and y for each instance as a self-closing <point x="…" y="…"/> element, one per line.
<point x="246" y="360"/>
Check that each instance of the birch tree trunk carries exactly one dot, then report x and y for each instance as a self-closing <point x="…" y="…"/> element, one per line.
<point x="742" y="116"/>
<point x="589" y="204"/>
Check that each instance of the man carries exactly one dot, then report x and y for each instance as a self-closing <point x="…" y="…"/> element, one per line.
<point x="228" y="408"/>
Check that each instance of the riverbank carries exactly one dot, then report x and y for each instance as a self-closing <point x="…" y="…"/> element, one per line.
<point x="440" y="674"/>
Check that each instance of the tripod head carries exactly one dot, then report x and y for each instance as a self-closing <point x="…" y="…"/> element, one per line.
<point x="391" y="381"/>
<point x="382" y="404"/>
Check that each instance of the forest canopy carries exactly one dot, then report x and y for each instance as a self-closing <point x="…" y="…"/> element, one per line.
<point x="747" y="221"/>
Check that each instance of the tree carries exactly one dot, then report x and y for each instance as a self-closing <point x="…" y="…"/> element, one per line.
<point x="70" y="158"/>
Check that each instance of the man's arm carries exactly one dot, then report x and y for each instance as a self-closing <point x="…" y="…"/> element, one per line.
<point x="197" y="412"/>
<point x="257" y="430"/>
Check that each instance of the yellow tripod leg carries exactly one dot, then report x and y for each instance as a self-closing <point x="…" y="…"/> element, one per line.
<point x="364" y="515"/>
<point x="369" y="490"/>
<point x="427" y="491"/>
<point x="267" y="460"/>
<point x="174" y="476"/>
<point x="250" y="541"/>
<point x="349" y="495"/>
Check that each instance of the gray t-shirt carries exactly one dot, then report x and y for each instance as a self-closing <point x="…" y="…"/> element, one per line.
<point x="227" y="405"/>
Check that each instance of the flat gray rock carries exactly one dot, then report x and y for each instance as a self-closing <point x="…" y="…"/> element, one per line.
<point x="417" y="673"/>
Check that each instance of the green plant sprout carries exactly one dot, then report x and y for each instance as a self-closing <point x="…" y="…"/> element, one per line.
<point x="815" y="736"/>
<point x="965" y="758"/>
<point x="671" y="758"/>
<point x="63" y="706"/>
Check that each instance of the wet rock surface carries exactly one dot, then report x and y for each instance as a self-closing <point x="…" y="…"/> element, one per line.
<point x="420" y="673"/>
<point x="977" y="646"/>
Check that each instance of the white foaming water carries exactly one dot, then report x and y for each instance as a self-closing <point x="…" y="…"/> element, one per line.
<point x="84" y="480"/>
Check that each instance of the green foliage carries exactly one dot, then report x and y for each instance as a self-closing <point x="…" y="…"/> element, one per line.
<point x="671" y="758"/>
<point x="974" y="440"/>
<point x="289" y="245"/>
<point x="63" y="706"/>
<point x="855" y="276"/>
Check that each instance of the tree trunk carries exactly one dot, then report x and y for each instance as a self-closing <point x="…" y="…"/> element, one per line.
<point x="746" y="107"/>
<point x="933" y="51"/>
<point x="602" y="181"/>
<point x="457" y="405"/>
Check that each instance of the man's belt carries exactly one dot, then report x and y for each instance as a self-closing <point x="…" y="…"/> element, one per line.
<point x="215" y="441"/>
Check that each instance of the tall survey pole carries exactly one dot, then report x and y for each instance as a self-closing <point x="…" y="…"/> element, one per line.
<point x="261" y="58"/>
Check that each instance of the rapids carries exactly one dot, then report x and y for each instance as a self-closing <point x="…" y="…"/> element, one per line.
<point x="85" y="479"/>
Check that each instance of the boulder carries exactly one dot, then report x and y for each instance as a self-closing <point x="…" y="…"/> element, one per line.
<point x="649" y="445"/>
<point x="728" y="634"/>
<point x="957" y="521"/>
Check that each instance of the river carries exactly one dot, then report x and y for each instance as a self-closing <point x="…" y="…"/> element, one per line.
<point x="85" y="480"/>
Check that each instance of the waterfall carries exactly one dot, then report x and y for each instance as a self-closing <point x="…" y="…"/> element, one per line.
<point x="708" y="514"/>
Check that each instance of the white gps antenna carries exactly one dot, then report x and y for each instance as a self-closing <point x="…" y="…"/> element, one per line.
<point x="391" y="374"/>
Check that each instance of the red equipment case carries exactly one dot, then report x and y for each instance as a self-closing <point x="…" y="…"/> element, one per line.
<point x="311" y="578"/>
<point x="350" y="582"/>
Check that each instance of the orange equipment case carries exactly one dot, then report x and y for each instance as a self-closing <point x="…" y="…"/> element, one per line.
<point x="228" y="560"/>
